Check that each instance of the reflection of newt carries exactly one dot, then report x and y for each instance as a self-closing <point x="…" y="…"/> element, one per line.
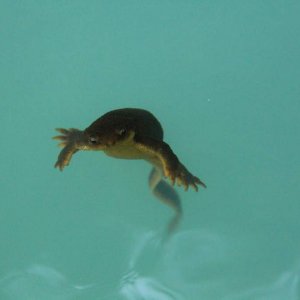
<point x="132" y="133"/>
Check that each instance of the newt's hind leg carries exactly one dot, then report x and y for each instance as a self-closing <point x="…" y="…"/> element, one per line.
<point x="167" y="194"/>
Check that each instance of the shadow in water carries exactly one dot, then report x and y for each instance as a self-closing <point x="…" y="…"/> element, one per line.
<point x="285" y="286"/>
<point x="39" y="282"/>
<point x="134" y="286"/>
<point x="193" y="265"/>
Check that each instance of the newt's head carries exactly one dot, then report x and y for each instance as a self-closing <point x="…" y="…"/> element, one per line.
<point x="102" y="140"/>
<point x="107" y="132"/>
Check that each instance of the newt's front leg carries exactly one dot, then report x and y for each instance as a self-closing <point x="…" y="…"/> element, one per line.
<point x="171" y="167"/>
<point x="71" y="140"/>
<point x="185" y="178"/>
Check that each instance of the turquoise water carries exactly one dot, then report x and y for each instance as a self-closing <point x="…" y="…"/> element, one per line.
<point x="223" y="79"/>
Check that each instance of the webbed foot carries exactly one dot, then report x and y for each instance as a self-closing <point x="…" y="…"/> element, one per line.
<point x="69" y="140"/>
<point x="183" y="177"/>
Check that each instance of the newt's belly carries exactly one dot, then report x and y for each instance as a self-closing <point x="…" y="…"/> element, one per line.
<point x="125" y="152"/>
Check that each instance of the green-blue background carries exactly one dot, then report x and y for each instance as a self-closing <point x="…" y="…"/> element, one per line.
<point x="223" y="79"/>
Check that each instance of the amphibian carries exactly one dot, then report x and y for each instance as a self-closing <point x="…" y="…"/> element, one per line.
<point x="132" y="133"/>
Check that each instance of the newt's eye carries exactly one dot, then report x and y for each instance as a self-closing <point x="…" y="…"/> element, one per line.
<point x="121" y="131"/>
<point x="93" y="140"/>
